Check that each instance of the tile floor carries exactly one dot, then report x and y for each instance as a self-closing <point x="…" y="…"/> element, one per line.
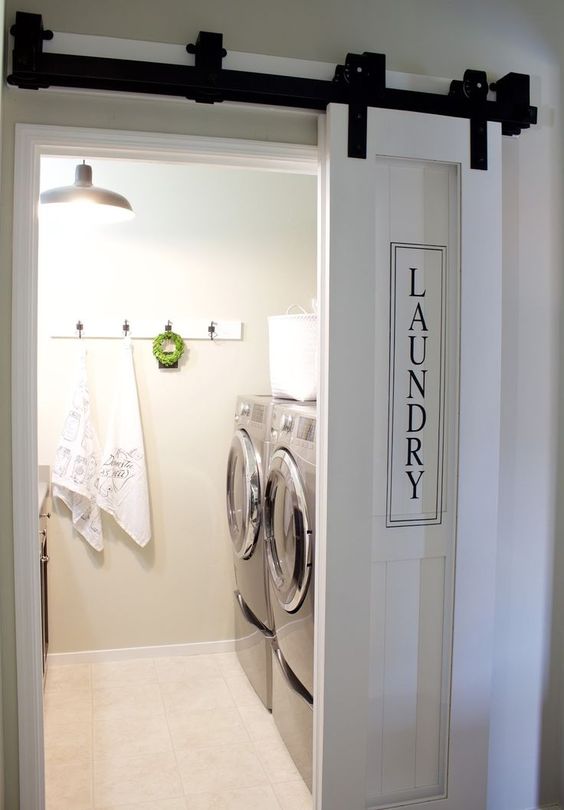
<point x="182" y="733"/>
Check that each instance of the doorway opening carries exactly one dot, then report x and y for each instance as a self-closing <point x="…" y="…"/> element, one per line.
<point x="153" y="638"/>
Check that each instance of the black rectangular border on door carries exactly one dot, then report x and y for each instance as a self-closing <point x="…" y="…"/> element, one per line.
<point x="436" y="518"/>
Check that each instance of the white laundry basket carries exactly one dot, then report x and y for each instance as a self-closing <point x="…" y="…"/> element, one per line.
<point x="293" y="347"/>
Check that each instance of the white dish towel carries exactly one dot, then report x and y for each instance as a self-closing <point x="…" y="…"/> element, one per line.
<point x="77" y="463"/>
<point x="122" y="485"/>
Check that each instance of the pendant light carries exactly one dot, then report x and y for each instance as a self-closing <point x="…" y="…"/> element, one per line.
<point x="84" y="203"/>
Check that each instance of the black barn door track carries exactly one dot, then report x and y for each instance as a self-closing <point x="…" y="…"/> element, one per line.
<point x="360" y="83"/>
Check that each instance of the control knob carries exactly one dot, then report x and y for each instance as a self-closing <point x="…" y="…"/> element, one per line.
<point x="286" y="423"/>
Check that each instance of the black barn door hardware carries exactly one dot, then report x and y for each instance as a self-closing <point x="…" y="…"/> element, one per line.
<point x="360" y="83"/>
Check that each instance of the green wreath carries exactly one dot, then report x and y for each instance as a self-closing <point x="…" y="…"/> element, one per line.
<point x="168" y="358"/>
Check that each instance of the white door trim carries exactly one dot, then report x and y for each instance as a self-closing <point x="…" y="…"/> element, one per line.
<point x="33" y="141"/>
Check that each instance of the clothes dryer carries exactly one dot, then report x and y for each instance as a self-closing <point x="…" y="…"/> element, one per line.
<point x="246" y="469"/>
<point x="290" y="538"/>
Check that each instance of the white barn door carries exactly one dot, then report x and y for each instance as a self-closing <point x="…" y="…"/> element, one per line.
<point x="411" y="245"/>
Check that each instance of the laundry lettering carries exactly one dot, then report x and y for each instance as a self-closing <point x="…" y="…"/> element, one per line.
<point x="418" y="386"/>
<point x="417" y="381"/>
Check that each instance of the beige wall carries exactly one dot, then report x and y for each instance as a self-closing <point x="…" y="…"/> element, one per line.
<point x="437" y="37"/>
<point x="3" y="484"/>
<point x="206" y="242"/>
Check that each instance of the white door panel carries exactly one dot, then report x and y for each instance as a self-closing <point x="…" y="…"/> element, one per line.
<point x="417" y="258"/>
<point x="409" y="485"/>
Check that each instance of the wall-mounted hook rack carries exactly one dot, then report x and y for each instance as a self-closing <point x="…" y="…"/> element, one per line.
<point x="146" y="329"/>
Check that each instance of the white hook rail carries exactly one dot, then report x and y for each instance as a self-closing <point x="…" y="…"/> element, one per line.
<point x="188" y="328"/>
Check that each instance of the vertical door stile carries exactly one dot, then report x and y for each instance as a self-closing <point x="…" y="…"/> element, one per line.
<point x="344" y="532"/>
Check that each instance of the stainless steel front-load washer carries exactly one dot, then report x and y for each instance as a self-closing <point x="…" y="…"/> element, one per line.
<point x="290" y="538"/>
<point x="245" y="491"/>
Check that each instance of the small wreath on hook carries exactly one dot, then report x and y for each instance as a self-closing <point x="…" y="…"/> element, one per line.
<point x="168" y="358"/>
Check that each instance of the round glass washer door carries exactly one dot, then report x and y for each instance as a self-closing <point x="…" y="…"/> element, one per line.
<point x="243" y="495"/>
<point x="288" y="531"/>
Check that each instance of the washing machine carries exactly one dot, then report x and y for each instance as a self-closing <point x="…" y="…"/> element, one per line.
<point x="290" y="537"/>
<point x="246" y="471"/>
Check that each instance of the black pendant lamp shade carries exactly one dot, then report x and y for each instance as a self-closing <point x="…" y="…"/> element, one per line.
<point x="85" y="202"/>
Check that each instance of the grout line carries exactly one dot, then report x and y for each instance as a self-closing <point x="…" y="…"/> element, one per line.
<point x="256" y="743"/>
<point x="257" y="749"/>
<point x="242" y="719"/>
<point x="251" y="740"/>
<point x="172" y="745"/>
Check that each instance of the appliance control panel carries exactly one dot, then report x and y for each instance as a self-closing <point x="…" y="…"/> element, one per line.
<point x="305" y="430"/>
<point x="293" y="428"/>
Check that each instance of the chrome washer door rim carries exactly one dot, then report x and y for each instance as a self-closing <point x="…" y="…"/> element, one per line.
<point x="283" y="470"/>
<point x="244" y="534"/>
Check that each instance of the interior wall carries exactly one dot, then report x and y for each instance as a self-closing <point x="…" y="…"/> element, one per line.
<point x="4" y="485"/>
<point x="206" y="242"/>
<point x="438" y="37"/>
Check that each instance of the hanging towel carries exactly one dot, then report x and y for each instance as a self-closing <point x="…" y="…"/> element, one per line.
<point x="122" y="485"/>
<point x="77" y="463"/>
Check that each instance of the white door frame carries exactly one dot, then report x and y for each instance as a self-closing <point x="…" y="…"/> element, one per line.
<point x="33" y="141"/>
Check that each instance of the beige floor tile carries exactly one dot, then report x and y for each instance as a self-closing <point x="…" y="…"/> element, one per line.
<point x="140" y="699"/>
<point x="293" y="795"/>
<point x="63" y="707"/>
<point x="194" y="694"/>
<point x="132" y="780"/>
<point x="259" y="722"/>
<point x="276" y="761"/>
<point x="68" y="785"/>
<point x="128" y="734"/>
<point x="59" y="803"/>
<point x="229" y="755"/>
<point x="180" y="667"/>
<point x="67" y="742"/>
<point x="219" y="769"/>
<point x="68" y="677"/>
<point x="163" y="804"/>
<point x="207" y="728"/>
<point x="256" y="798"/>
<point x="123" y="673"/>
<point x="241" y="690"/>
<point x="228" y="663"/>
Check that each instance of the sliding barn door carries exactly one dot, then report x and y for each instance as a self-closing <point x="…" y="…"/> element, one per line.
<point x="411" y="293"/>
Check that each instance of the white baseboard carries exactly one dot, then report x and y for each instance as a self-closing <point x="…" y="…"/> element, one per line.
<point x="128" y="653"/>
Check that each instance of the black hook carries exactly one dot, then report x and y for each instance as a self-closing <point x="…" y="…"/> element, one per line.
<point x="79" y="328"/>
<point x="125" y="328"/>
<point x="212" y="330"/>
<point x="168" y="326"/>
